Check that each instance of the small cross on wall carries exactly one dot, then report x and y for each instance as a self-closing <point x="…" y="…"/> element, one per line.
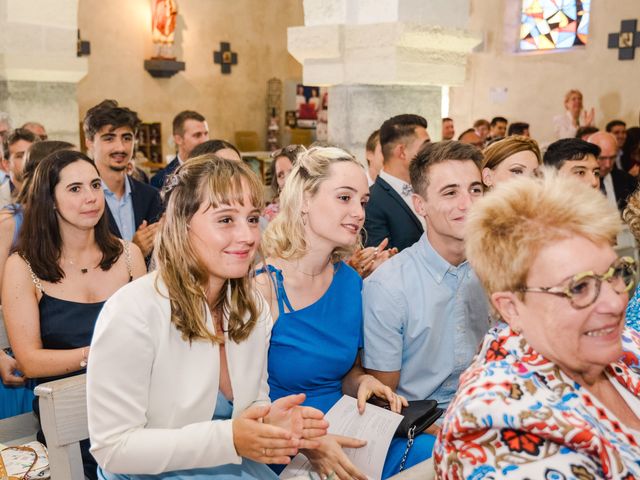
<point x="225" y="57"/>
<point x="626" y="41"/>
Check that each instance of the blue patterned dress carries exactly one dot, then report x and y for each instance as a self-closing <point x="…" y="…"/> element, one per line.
<point x="633" y="312"/>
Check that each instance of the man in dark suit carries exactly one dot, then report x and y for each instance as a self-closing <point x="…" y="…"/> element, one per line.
<point x="390" y="211"/>
<point x="133" y="207"/>
<point x="616" y="184"/>
<point x="189" y="130"/>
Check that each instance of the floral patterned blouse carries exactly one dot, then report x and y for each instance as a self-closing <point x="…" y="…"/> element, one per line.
<point x="517" y="415"/>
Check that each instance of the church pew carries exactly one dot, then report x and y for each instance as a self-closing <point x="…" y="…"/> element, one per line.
<point x="63" y="413"/>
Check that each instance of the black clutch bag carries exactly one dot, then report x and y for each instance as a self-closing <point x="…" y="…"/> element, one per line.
<point x="418" y="416"/>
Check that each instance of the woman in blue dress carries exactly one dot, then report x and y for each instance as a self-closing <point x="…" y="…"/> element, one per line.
<point x="177" y="383"/>
<point x="316" y="300"/>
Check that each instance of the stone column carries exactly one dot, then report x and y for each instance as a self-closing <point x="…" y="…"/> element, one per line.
<point x="39" y="69"/>
<point x="382" y="58"/>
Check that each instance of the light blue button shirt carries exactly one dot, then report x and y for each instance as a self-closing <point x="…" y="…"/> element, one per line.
<point x="426" y="318"/>
<point x="122" y="210"/>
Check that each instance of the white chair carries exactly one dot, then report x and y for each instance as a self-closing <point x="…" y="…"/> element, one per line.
<point x="63" y="414"/>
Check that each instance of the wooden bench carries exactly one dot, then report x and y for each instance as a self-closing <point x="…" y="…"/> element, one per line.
<point x="63" y="411"/>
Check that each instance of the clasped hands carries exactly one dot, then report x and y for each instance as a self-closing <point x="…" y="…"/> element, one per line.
<point x="273" y="433"/>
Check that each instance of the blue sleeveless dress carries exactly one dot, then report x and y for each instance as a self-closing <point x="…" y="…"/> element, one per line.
<point x="312" y="349"/>
<point x="15" y="400"/>
<point x="247" y="470"/>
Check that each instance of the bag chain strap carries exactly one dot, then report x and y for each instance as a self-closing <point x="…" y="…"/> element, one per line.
<point x="3" y="470"/>
<point x="410" y="436"/>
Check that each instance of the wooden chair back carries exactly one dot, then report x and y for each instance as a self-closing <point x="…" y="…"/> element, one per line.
<point x="63" y="415"/>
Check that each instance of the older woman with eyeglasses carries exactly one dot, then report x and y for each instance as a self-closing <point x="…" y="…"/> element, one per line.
<point x="554" y="391"/>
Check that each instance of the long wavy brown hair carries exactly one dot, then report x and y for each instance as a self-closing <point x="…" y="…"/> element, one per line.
<point x="216" y="181"/>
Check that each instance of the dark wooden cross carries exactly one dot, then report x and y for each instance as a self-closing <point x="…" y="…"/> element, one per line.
<point x="627" y="40"/>
<point x="225" y="57"/>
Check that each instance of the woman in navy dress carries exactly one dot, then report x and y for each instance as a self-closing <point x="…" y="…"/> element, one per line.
<point x="65" y="266"/>
<point x="315" y="296"/>
<point x="16" y="393"/>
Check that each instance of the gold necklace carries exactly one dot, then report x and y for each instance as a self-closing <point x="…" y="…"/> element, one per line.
<point x="312" y="275"/>
<point x="83" y="270"/>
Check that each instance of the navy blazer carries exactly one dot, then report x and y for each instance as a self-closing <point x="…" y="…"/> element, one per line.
<point x="389" y="216"/>
<point x="623" y="185"/>
<point x="146" y="205"/>
<point x="161" y="175"/>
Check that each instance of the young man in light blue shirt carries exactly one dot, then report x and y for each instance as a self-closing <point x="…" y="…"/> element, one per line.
<point x="425" y="311"/>
<point x="133" y="207"/>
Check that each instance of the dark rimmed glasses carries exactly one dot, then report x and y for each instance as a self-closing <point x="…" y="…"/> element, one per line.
<point x="584" y="288"/>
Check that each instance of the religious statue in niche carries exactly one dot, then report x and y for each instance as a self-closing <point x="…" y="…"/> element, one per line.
<point x="163" y="27"/>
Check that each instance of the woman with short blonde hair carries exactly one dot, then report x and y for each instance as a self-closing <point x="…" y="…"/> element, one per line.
<point x="566" y="124"/>
<point x="631" y="216"/>
<point x="554" y="388"/>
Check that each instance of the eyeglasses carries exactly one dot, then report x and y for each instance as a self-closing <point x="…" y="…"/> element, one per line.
<point x="584" y="288"/>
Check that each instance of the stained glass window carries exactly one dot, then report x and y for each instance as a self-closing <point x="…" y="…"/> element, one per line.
<point x="549" y="24"/>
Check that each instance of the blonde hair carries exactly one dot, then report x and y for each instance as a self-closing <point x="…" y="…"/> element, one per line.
<point x="285" y="235"/>
<point x="571" y="92"/>
<point x="499" y="151"/>
<point x="216" y="181"/>
<point x="631" y="214"/>
<point x="506" y="229"/>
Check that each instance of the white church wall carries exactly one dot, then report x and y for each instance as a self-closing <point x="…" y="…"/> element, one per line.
<point x="536" y="82"/>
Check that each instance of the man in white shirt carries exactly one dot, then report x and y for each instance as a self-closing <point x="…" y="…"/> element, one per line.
<point x="390" y="211"/>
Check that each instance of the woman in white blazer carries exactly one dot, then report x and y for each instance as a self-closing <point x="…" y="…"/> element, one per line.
<point x="177" y="383"/>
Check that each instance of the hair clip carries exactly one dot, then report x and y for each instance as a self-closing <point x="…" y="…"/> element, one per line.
<point x="171" y="183"/>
